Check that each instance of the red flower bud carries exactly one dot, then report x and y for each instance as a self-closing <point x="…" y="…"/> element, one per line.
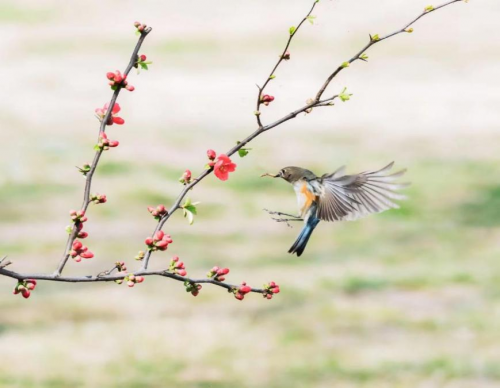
<point x="244" y="290"/>
<point x="87" y="255"/>
<point x="239" y="296"/>
<point x="110" y="75"/>
<point x="182" y="272"/>
<point x="175" y="258"/>
<point x="139" y="279"/>
<point x="77" y="245"/>
<point x="159" y="235"/>
<point x="162" y="245"/>
<point x="211" y="154"/>
<point x="149" y="241"/>
<point x="142" y="58"/>
<point x="26" y="293"/>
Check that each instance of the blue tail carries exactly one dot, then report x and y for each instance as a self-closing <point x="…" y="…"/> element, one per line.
<point x="300" y="244"/>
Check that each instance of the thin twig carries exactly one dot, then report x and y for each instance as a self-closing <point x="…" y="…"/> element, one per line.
<point x="372" y="42"/>
<point x="281" y="58"/>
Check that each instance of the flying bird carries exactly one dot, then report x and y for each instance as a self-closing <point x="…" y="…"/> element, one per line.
<point x="339" y="197"/>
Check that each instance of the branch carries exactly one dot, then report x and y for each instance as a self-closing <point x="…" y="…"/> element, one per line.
<point x="293" y="32"/>
<point x="112" y="278"/>
<point x="90" y="174"/>
<point x="376" y="39"/>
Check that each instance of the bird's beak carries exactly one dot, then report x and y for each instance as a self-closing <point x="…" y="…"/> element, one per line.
<point x="271" y="175"/>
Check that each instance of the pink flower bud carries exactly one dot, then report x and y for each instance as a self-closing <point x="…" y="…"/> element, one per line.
<point x="151" y="209"/>
<point x="269" y="296"/>
<point x="215" y="269"/>
<point x="130" y="88"/>
<point x="87" y="255"/>
<point x="30" y="286"/>
<point x="244" y="290"/>
<point x="26" y="294"/>
<point x="130" y="284"/>
<point x="77" y="245"/>
<point x="175" y="259"/>
<point x="142" y="58"/>
<point x="162" y="244"/>
<point x="239" y="296"/>
<point x="211" y="154"/>
<point x="159" y="235"/>
<point x="220" y="278"/>
<point x="161" y="209"/>
<point x="275" y="290"/>
<point x="266" y="99"/>
<point x="110" y="75"/>
<point x="137" y="24"/>
<point x="139" y="279"/>
<point x="182" y="272"/>
<point x="149" y="241"/>
<point x="114" y="143"/>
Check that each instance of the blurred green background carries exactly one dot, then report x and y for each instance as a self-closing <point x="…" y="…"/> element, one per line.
<point x="409" y="298"/>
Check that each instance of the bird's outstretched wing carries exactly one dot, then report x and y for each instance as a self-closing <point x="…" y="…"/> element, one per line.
<point x="351" y="197"/>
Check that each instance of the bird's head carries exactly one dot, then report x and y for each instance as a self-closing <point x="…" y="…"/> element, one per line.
<point x="292" y="174"/>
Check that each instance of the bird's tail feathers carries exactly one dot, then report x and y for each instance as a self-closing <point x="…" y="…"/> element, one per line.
<point x="300" y="244"/>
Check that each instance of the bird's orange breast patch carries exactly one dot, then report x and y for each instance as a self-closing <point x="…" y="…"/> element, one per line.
<point x="310" y="197"/>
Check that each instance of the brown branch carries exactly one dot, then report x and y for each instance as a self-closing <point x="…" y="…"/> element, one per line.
<point x="95" y="162"/>
<point x="373" y="41"/>
<point x="111" y="278"/>
<point x="281" y="58"/>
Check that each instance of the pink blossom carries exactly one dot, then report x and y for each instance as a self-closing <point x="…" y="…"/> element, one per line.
<point x="101" y="112"/>
<point x="223" y="167"/>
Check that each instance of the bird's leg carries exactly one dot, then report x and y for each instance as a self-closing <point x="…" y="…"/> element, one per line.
<point x="286" y="220"/>
<point x="298" y="218"/>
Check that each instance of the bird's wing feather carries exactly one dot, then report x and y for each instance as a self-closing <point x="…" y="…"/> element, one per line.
<point x="351" y="197"/>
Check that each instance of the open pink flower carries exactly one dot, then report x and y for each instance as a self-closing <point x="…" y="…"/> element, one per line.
<point x="101" y="112"/>
<point x="223" y="167"/>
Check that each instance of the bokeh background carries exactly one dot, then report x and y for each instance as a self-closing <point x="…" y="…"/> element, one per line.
<point x="409" y="298"/>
